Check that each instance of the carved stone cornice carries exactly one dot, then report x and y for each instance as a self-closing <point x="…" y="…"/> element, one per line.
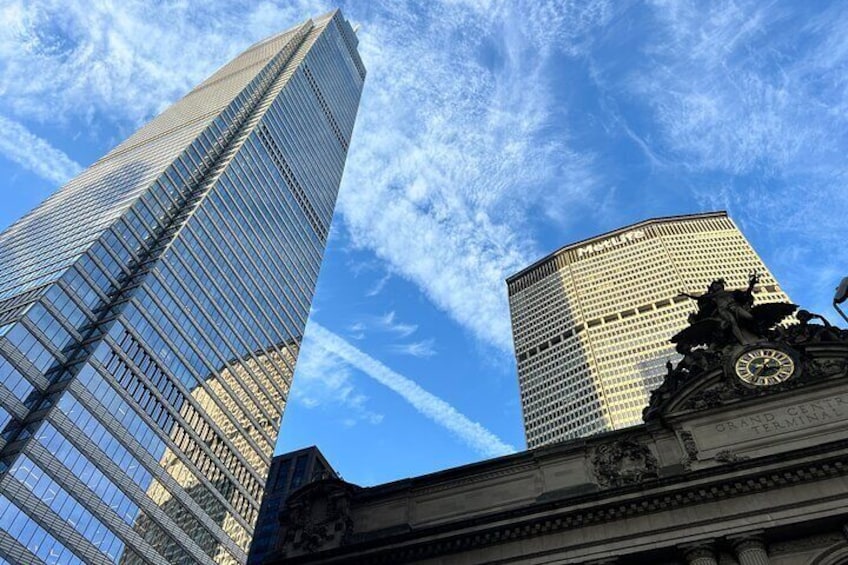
<point x="526" y="523"/>
<point x="690" y="447"/>
<point x="476" y="478"/>
<point x="728" y="456"/>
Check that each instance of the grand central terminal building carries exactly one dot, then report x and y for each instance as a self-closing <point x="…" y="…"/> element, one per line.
<point x="742" y="458"/>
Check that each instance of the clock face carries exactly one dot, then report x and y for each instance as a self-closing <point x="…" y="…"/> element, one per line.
<point x="764" y="366"/>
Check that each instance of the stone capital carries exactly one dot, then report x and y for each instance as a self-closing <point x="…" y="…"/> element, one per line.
<point x="750" y="548"/>
<point x="699" y="553"/>
<point x="746" y="541"/>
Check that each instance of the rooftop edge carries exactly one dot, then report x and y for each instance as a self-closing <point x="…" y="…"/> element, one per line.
<point x="582" y="242"/>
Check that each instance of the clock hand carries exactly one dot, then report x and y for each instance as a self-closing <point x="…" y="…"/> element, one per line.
<point x="766" y="364"/>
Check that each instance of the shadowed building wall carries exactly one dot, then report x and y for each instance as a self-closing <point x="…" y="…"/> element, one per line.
<point x="289" y="472"/>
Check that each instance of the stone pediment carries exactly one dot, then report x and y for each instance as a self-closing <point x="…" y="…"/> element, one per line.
<point x="734" y="350"/>
<point x="696" y="394"/>
<point x="722" y="384"/>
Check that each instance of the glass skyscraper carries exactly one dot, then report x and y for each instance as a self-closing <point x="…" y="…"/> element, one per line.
<point x="152" y="308"/>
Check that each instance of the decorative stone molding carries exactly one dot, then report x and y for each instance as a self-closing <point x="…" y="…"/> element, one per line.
<point x="623" y="462"/>
<point x="824" y="368"/>
<point x="728" y="456"/>
<point x="717" y="395"/>
<point x="317" y="517"/>
<point x="690" y="447"/>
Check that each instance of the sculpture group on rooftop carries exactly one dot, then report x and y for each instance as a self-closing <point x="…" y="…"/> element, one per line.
<point x="729" y="316"/>
<point x="727" y="324"/>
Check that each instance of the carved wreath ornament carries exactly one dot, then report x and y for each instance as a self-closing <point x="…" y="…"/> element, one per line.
<point x="623" y="462"/>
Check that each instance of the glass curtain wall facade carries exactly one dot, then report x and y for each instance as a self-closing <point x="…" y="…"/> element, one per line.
<point x="289" y="472"/>
<point x="591" y="322"/>
<point x="151" y="312"/>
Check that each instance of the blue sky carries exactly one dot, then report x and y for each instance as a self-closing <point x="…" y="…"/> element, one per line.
<point x="490" y="133"/>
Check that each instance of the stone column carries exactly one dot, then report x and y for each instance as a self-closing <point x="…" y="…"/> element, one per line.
<point x="701" y="554"/>
<point x="750" y="550"/>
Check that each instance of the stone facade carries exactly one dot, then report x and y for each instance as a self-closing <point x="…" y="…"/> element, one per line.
<point x="722" y="472"/>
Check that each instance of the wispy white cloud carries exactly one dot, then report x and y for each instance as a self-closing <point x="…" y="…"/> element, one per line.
<point x="357" y="330"/>
<point x="471" y="433"/>
<point x="457" y="169"/>
<point x="388" y="322"/>
<point x="21" y="146"/>
<point x="723" y="97"/>
<point x="379" y="285"/>
<point x="755" y="98"/>
<point x="324" y="379"/>
<point x="453" y="149"/>
<point x="105" y="58"/>
<point x="424" y="348"/>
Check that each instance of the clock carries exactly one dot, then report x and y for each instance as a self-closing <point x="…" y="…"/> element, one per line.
<point x="764" y="366"/>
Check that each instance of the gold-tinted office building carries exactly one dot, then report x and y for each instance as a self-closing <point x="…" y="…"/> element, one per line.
<point x="271" y="373"/>
<point x="591" y="321"/>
